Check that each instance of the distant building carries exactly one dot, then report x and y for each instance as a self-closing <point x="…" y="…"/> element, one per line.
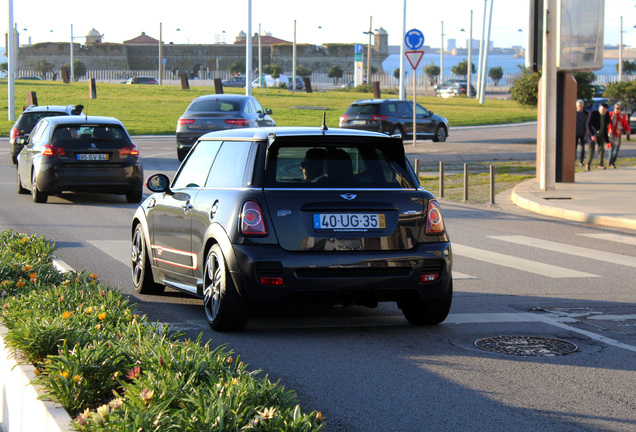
<point x="451" y="44"/>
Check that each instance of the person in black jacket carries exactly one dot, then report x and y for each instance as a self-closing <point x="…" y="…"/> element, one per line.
<point x="596" y="134"/>
<point x="581" y="125"/>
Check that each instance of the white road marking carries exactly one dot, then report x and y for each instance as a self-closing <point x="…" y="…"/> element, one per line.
<point x="458" y="276"/>
<point x="518" y="263"/>
<point x="582" y="252"/>
<point x="118" y="249"/>
<point x="618" y="238"/>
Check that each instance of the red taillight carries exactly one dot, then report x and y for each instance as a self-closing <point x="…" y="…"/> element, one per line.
<point x="130" y="150"/>
<point x="379" y="117"/>
<point x="49" y="150"/>
<point x="183" y="121"/>
<point x="238" y="122"/>
<point x="272" y="281"/>
<point x="429" y="277"/>
<point x="252" y="221"/>
<point x="14" y="133"/>
<point x="434" y="221"/>
<point x="343" y="118"/>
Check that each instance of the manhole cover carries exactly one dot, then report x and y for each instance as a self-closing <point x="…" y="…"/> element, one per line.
<point x="526" y="346"/>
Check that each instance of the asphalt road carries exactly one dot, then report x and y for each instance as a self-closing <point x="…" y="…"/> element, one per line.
<point x="515" y="274"/>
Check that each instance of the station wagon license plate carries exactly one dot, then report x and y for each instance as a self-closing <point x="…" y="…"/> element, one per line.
<point x="349" y="221"/>
<point x="92" y="157"/>
<point x="358" y="122"/>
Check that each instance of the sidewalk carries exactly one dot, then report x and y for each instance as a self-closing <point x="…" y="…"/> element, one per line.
<point x="601" y="197"/>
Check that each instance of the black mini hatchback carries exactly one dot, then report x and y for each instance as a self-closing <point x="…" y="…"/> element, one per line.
<point x="294" y="215"/>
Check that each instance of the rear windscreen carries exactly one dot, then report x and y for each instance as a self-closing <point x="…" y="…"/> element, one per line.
<point x="213" y="106"/>
<point x="366" y="109"/>
<point x="104" y="136"/>
<point x="360" y="165"/>
<point x="28" y="120"/>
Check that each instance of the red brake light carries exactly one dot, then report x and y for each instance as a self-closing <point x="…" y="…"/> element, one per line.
<point x="49" y="150"/>
<point x="130" y="150"/>
<point x="251" y="220"/>
<point x="272" y="281"/>
<point x="14" y="133"/>
<point x="434" y="221"/>
<point x="343" y="118"/>
<point x="183" y="121"/>
<point x="238" y="122"/>
<point x="379" y="117"/>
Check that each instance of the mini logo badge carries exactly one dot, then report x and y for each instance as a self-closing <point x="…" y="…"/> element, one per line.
<point x="349" y="196"/>
<point x="93" y="146"/>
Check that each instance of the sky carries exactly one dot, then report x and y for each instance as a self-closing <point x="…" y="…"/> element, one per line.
<point x="317" y="22"/>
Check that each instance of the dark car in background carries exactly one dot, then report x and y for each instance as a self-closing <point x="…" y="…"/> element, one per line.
<point x="143" y="80"/>
<point x="28" y="119"/>
<point x="80" y="154"/>
<point x="218" y="112"/>
<point x="235" y="81"/>
<point x="395" y="117"/>
<point x="278" y="216"/>
<point x="454" y="88"/>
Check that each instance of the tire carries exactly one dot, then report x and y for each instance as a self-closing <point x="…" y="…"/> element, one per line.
<point x="182" y="153"/>
<point x="143" y="281"/>
<point x="15" y="158"/>
<point x="134" y="196"/>
<point x="224" y="309"/>
<point x="429" y="312"/>
<point x="21" y="190"/>
<point x="38" y="196"/>
<point x="397" y="130"/>
<point x="440" y="134"/>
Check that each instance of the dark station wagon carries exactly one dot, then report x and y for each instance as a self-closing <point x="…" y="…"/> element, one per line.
<point x="275" y="216"/>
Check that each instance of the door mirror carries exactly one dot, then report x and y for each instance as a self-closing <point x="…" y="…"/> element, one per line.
<point x="268" y="111"/>
<point x="158" y="183"/>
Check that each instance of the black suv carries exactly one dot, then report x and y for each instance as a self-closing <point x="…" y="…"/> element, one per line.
<point x="395" y="117"/>
<point x="27" y="120"/>
<point x="294" y="215"/>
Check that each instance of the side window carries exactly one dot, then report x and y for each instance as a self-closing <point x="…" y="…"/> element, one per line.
<point x="421" y="111"/>
<point x="406" y="109"/>
<point x="197" y="167"/>
<point x="257" y="106"/>
<point x="38" y="132"/>
<point x="229" y="165"/>
<point x="389" y="109"/>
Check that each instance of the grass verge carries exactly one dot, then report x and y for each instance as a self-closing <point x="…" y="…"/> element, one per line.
<point x="154" y="110"/>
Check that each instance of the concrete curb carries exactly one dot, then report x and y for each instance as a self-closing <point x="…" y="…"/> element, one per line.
<point x="21" y="410"/>
<point x="520" y="198"/>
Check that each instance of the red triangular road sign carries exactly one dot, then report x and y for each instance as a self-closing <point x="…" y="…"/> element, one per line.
<point x="414" y="57"/>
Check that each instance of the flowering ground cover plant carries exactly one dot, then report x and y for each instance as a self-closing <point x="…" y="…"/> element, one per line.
<point x="112" y="370"/>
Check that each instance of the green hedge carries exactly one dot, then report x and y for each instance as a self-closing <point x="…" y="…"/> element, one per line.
<point x="112" y="370"/>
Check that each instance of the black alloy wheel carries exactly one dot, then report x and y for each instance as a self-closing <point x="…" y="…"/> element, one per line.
<point x="38" y="196"/>
<point x="440" y="134"/>
<point x="224" y="309"/>
<point x="143" y="282"/>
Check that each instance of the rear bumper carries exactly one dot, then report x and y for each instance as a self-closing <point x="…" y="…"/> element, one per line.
<point x="341" y="278"/>
<point x="122" y="179"/>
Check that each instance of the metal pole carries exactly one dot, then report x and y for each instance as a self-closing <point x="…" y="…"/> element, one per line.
<point x="369" y="53"/>
<point x="294" y="59"/>
<point x="260" y="58"/>
<point x="470" y="55"/>
<point x="548" y="103"/>
<point x="72" y="67"/>
<point x="414" y="102"/>
<point x="480" y="70"/>
<point x="248" y="51"/>
<point x="160" y="56"/>
<point x="465" y="182"/>
<point x="441" y="58"/>
<point x="484" y="74"/>
<point x="441" y="179"/>
<point x="492" y="184"/>
<point x="11" y="59"/>
<point x="401" y="82"/>
<point x="417" y="169"/>
<point x="620" y="54"/>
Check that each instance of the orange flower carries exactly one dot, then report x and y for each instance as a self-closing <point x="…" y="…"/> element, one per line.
<point x="26" y="268"/>
<point x="19" y="283"/>
<point x="65" y="374"/>
<point x="102" y="316"/>
<point x="93" y="276"/>
<point x="76" y="379"/>
<point x="33" y="277"/>
<point x="65" y="315"/>
<point x="25" y="239"/>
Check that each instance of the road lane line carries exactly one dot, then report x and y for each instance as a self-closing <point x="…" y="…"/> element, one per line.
<point x="518" y="263"/>
<point x="459" y="276"/>
<point x="618" y="238"/>
<point x="583" y="252"/>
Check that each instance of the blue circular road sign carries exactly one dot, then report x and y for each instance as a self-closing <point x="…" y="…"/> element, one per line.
<point x="414" y="39"/>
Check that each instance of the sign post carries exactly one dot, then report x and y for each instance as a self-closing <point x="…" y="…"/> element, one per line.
<point x="358" y="50"/>
<point x="414" y="40"/>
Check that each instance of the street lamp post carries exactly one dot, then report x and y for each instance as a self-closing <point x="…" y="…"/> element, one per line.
<point x="160" y="57"/>
<point x="441" y="58"/>
<point x="370" y="32"/>
<point x="620" y="54"/>
<point x="470" y="55"/>
<point x="294" y="60"/>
